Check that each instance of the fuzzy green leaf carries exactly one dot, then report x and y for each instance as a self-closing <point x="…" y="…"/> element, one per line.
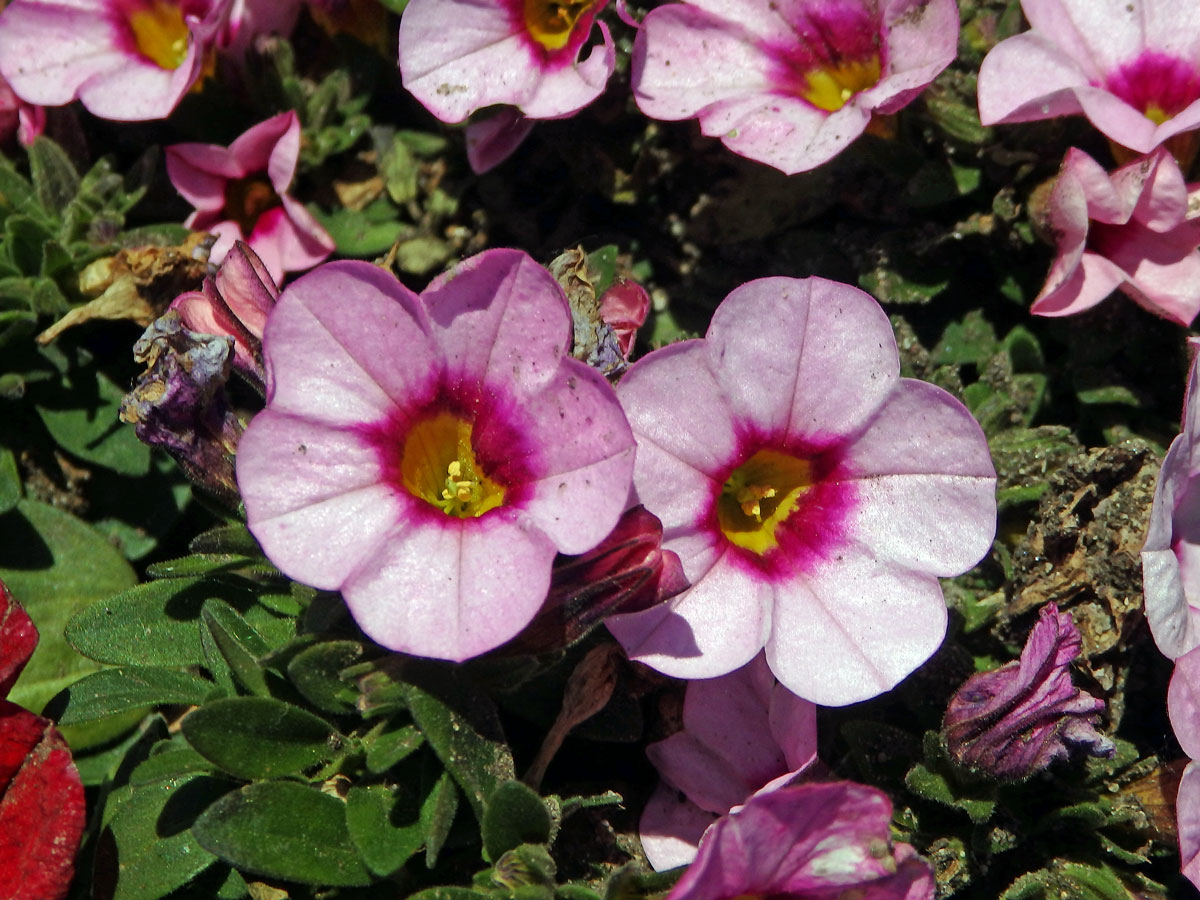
<point x="514" y="815"/>
<point x="282" y="829"/>
<point x="316" y="673"/>
<point x="112" y="691"/>
<point x="384" y="827"/>
<point x="259" y="737"/>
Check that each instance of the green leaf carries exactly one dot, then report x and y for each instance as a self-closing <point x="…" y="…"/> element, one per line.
<point x="971" y="341"/>
<point x="514" y="815"/>
<point x="82" y="416"/>
<point x="174" y="762"/>
<point x="390" y="742"/>
<point x="282" y="829"/>
<point x="235" y="539"/>
<point x="55" y="564"/>
<point x="937" y="787"/>
<point x="316" y="673"/>
<point x="154" y="842"/>
<point x="384" y="827"/>
<point x="155" y="624"/>
<point x="199" y="564"/>
<point x="602" y="267"/>
<point x="54" y="177"/>
<point x="259" y="737"/>
<point x="238" y="643"/>
<point x="112" y="691"/>
<point x="422" y="254"/>
<point x="363" y="233"/>
<point x="10" y="481"/>
<point x="437" y="815"/>
<point x="462" y="726"/>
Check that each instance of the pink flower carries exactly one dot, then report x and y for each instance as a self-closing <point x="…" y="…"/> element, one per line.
<point x="1183" y="707"/>
<point x="1015" y="720"/>
<point x="813" y="495"/>
<point x="742" y="733"/>
<point x="250" y="18"/>
<point x="494" y="138"/>
<point x="18" y="117"/>
<point x="234" y="303"/>
<point x="807" y="842"/>
<point x="1132" y="68"/>
<point x="240" y="193"/>
<point x="1171" y="554"/>
<point x="523" y="53"/>
<point x="1128" y="230"/>
<point x="127" y="60"/>
<point x="428" y="456"/>
<point x="789" y="84"/>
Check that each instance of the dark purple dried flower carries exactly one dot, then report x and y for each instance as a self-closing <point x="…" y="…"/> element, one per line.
<point x="1016" y="720"/>
<point x="180" y="403"/>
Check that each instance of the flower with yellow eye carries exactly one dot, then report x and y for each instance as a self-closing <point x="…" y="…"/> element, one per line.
<point x="459" y="56"/>
<point x="813" y="496"/>
<point x="790" y="83"/>
<point x="127" y="60"/>
<point x="429" y="456"/>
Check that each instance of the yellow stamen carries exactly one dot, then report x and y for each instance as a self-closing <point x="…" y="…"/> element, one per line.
<point x="550" y="22"/>
<point x="832" y="87"/>
<point x="160" y="33"/>
<point x="1156" y="114"/>
<point x="759" y="496"/>
<point x="438" y="465"/>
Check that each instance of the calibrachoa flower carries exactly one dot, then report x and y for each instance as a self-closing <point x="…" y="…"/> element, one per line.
<point x="234" y="303"/>
<point x="42" y="811"/>
<point x="1171" y="554"/>
<point x="523" y="53"/>
<point x="1129" y="230"/>
<point x="1017" y="719"/>
<point x="491" y="139"/>
<point x="742" y="733"/>
<point x="123" y="59"/>
<point x="428" y="456"/>
<point x="813" y="495"/>
<point x="807" y="842"/>
<point x="1183" y="707"/>
<point x="1131" y="66"/>
<point x="789" y="84"/>
<point x="240" y="192"/>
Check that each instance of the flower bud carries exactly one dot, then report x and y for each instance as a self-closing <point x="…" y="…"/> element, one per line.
<point x="1016" y="720"/>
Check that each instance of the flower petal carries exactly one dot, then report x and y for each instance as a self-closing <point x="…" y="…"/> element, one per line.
<point x="670" y="828"/>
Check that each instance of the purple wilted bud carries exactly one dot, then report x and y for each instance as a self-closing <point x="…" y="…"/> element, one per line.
<point x="627" y="572"/>
<point x="180" y="403"/>
<point x="1016" y="720"/>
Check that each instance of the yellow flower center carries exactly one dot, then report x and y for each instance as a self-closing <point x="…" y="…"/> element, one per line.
<point x="160" y="33"/>
<point x="438" y="466"/>
<point x="830" y="88"/>
<point x="759" y="496"/>
<point x="1156" y="113"/>
<point x="550" y="22"/>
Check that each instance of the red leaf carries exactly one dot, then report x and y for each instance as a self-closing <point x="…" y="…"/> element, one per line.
<point x="41" y="807"/>
<point x="18" y="637"/>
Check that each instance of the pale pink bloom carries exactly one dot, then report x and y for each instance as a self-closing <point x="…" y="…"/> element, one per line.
<point x="807" y="842"/>
<point x="813" y="496"/>
<point x="790" y="84"/>
<point x="428" y="456"/>
<point x="1183" y="707"/>
<point x="250" y="18"/>
<point x="1171" y="554"/>
<point x="127" y="60"/>
<point x="1129" y="231"/>
<point x="234" y="303"/>
<point x="240" y="193"/>
<point x="1131" y="66"/>
<point x="458" y="56"/>
<point x="742" y="733"/>
<point x="493" y="138"/>
<point x="18" y="117"/>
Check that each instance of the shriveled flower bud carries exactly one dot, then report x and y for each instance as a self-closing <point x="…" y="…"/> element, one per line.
<point x="234" y="303"/>
<point x="180" y="403"/>
<point x="624" y="308"/>
<point x="627" y="572"/>
<point x="1016" y="720"/>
